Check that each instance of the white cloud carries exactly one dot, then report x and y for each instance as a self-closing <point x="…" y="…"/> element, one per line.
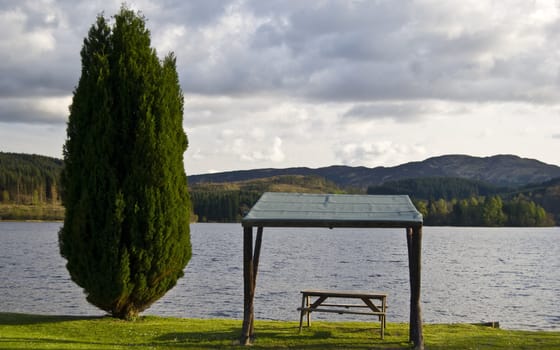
<point x="263" y="152"/>
<point x="377" y="153"/>
<point x="276" y="154"/>
<point x="166" y="39"/>
<point x="20" y="41"/>
<point x="406" y="111"/>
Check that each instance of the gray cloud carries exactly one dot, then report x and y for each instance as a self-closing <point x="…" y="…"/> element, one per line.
<point x="331" y="51"/>
<point x="36" y="81"/>
<point x="191" y="13"/>
<point x="398" y="111"/>
<point x="364" y="51"/>
<point x="39" y="62"/>
<point x="34" y="111"/>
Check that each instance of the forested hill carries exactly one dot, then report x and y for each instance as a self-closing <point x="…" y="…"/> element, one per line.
<point x="499" y="170"/>
<point x="29" y="179"/>
<point x="461" y="202"/>
<point x="230" y="201"/>
<point x="452" y="189"/>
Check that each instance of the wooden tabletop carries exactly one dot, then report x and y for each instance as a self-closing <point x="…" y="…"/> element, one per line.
<point x="344" y="294"/>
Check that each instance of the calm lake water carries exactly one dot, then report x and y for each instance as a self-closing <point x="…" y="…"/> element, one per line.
<point x="510" y="275"/>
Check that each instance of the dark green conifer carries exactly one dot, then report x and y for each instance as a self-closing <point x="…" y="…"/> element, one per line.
<point x="126" y="230"/>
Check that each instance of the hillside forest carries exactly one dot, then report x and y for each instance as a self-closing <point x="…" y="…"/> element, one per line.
<point x="29" y="190"/>
<point x="459" y="202"/>
<point x="29" y="187"/>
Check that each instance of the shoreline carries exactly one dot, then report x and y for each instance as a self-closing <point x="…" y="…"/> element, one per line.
<point x="32" y="212"/>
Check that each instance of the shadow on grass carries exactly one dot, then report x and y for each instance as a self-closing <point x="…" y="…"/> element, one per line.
<point x="41" y="343"/>
<point x="15" y="319"/>
<point x="201" y="336"/>
<point x="278" y="338"/>
<point x="228" y="338"/>
<point x="315" y="339"/>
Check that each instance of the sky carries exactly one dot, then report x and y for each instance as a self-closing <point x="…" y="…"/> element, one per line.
<point x="285" y="83"/>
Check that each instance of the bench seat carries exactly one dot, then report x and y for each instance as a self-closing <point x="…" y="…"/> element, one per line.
<point x="318" y="305"/>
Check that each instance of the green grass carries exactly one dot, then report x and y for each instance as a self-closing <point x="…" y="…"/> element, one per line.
<point x="21" y="331"/>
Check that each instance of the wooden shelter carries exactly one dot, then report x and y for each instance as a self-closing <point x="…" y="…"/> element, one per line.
<point x="331" y="211"/>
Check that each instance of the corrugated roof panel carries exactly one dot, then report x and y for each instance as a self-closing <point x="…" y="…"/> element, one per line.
<point x="332" y="210"/>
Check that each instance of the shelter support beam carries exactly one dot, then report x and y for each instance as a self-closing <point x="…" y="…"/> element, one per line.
<point x="250" y="268"/>
<point x="414" y="243"/>
<point x="330" y="210"/>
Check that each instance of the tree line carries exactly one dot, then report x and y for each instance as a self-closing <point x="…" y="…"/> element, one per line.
<point x="490" y="211"/>
<point x="229" y="202"/>
<point x="445" y="201"/>
<point x="223" y="206"/>
<point x="29" y="179"/>
<point x="437" y="187"/>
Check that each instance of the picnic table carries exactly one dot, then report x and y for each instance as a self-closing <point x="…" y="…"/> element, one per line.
<point x="374" y="303"/>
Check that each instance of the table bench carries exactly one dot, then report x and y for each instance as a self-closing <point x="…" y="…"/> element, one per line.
<point x="367" y="308"/>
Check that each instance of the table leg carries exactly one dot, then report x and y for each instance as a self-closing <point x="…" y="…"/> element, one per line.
<point x="383" y="317"/>
<point x="384" y="308"/>
<point x="308" y="304"/>
<point x="303" y="299"/>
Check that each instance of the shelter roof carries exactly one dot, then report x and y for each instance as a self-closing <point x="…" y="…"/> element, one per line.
<point x="332" y="210"/>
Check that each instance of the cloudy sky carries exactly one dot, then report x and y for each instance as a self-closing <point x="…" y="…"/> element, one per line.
<point x="281" y="83"/>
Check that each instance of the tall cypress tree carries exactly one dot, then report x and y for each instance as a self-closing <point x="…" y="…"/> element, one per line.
<point x="126" y="230"/>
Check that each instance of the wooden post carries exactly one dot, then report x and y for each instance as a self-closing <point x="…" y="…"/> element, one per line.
<point x="248" y="280"/>
<point x="258" y="242"/>
<point x="256" y="255"/>
<point x="250" y="268"/>
<point x="414" y="243"/>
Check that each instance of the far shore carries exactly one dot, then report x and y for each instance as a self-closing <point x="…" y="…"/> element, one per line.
<point x="31" y="212"/>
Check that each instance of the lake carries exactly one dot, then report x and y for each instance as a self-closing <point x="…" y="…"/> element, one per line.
<point x="510" y="275"/>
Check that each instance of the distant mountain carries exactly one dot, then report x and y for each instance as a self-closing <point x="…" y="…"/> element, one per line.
<point x="500" y="170"/>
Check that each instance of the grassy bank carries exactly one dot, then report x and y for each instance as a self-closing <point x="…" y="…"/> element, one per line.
<point x="20" y="331"/>
<point x="23" y="212"/>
